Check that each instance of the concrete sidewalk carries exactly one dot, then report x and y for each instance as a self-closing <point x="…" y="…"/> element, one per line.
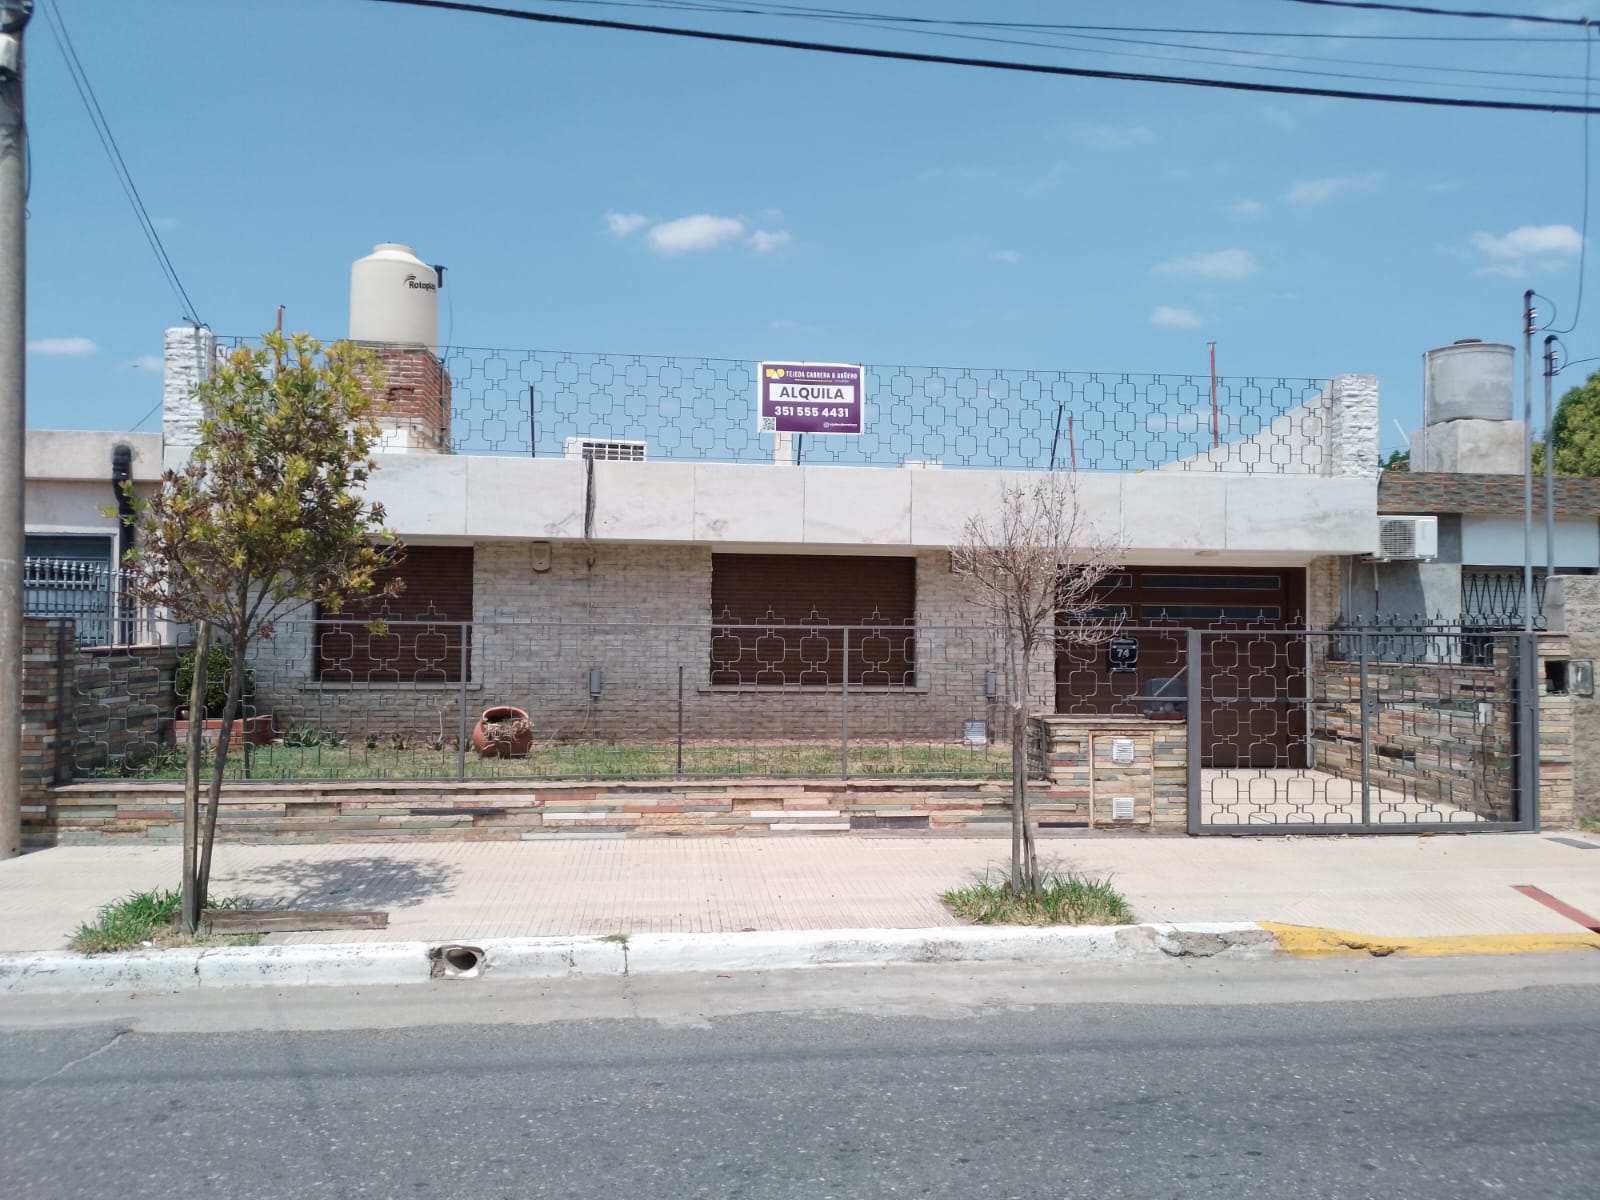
<point x="1391" y="887"/>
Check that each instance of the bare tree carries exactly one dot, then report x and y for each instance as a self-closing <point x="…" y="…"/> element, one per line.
<point x="1035" y="565"/>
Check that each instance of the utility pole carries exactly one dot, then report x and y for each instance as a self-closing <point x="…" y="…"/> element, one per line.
<point x="1549" y="464"/>
<point x="14" y="16"/>
<point x="1529" y="313"/>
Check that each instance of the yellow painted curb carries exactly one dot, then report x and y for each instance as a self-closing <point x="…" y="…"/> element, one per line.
<point x="1309" y="941"/>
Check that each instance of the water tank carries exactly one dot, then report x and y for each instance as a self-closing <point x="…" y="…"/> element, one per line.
<point x="394" y="297"/>
<point x="1470" y="379"/>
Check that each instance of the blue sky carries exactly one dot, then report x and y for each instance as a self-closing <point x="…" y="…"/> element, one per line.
<point x="595" y="190"/>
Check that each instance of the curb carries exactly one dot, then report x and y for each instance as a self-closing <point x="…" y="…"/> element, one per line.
<point x="386" y="963"/>
<point x="1310" y="941"/>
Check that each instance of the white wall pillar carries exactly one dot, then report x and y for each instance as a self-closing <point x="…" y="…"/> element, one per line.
<point x="190" y="357"/>
<point x="1352" y="449"/>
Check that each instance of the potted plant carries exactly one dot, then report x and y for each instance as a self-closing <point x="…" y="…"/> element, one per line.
<point x="253" y="730"/>
<point x="503" y="732"/>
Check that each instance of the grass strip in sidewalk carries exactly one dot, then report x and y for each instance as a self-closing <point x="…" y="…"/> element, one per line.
<point x="145" y="920"/>
<point x="1060" y="900"/>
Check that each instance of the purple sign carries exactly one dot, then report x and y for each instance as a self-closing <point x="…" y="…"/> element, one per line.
<point x="810" y="398"/>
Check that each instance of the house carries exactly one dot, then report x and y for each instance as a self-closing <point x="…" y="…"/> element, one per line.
<point x="613" y="529"/>
<point x="617" y="545"/>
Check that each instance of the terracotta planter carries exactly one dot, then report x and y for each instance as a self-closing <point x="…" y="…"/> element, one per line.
<point x="514" y="745"/>
<point x="253" y="731"/>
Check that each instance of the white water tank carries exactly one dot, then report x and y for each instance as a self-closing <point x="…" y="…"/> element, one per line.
<point x="1469" y="380"/>
<point x="394" y="298"/>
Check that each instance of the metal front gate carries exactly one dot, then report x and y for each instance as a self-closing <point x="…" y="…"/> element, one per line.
<point x="1365" y="731"/>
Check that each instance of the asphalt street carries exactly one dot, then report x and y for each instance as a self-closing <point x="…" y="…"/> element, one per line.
<point x="1379" y="1079"/>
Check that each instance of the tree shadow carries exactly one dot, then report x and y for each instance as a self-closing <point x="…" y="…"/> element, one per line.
<point x="358" y="882"/>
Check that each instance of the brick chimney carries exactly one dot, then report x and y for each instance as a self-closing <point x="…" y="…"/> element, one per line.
<point x="415" y="410"/>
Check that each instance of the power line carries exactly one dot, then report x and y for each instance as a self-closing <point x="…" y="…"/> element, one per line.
<point x="777" y="9"/>
<point x="987" y="63"/>
<point x="927" y="26"/>
<point x="1424" y="11"/>
<point x="1062" y="44"/>
<point x="108" y="142"/>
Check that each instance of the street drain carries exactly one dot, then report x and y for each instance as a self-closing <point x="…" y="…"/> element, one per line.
<point x="457" y="962"/>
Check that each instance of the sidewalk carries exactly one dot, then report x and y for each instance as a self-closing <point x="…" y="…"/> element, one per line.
<point x="1387" y="887"/>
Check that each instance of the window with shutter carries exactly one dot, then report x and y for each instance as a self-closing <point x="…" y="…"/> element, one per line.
<point x="426" y="638"/>
<point x="778" y="620"/>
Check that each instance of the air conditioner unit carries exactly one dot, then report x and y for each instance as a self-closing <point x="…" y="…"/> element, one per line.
<point x="1403" y="539"/>
<point x="605" y="449"/>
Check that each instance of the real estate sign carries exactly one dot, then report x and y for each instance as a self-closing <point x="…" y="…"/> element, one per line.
<point x="810" y="398"/>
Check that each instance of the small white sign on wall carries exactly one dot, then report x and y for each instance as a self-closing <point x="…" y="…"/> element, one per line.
<point x="1122" y="751"/>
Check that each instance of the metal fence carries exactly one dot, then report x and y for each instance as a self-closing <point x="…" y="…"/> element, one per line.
<point x="1350" y="732"/>
<point x="339" y="700"/>
<point x="1313" y="731"/>
<point x="95" y="597"/>
<point x="534" y="403"/>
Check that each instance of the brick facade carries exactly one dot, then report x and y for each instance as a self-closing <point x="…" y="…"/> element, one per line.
<point x="640" y="614"/>
<point x="416" y="398"/>
<point x="1407" y="493"/>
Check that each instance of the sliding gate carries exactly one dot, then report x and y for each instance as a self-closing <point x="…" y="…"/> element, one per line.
<point x="1367" y="731"/>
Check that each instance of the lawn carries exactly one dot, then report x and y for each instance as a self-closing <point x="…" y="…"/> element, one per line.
<point x="594" y="761"/>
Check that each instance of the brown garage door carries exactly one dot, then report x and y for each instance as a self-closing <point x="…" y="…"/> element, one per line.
<point x="1251" y="718"/>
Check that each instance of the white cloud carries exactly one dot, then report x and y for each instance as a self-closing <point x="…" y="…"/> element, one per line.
<point x="622" y="224"/>
<point x="1245" y="208"/>
<point x="63" y="347"/>
<point x="1320" y="191"/>
<point x="783" y="325"/>
<point x="147" y="362"/>
<point x="1173" y="318"/>
<point x="1213" y="264"/>
<point x="699" y="232"/>
<point x="1010" y="257"/>
<point x="1551" y="245"/>
<point x="763" y="242"/>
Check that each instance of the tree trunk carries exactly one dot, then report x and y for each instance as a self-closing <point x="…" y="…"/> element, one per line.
<point x="1019" y="774"/>
<point x="191" y="776"/>
<point x="218" y="768"/>
<point x="1019" y="756"/>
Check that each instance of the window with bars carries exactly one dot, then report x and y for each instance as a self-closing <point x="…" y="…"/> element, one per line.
<point x="426" y="635"/>
<point x="779" y="620"/>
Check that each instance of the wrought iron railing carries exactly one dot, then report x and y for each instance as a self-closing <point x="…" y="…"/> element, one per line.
<point x="95" y="597"/>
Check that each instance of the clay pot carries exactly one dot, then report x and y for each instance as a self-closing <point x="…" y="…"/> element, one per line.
<point x="503" y="732"/>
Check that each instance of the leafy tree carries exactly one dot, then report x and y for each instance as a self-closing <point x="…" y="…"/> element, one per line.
<point x="266" y="516"/>
<point x="1575" y="432"/>
<point x="1035" y="566"/>
<point x="1399" y="460"/>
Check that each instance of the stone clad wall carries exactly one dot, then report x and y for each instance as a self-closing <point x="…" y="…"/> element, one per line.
<point x="1078" y="756"/>
<point x="1440" y="732"/>
<point x="86" y="709"/>
<point x="122" y="811"/>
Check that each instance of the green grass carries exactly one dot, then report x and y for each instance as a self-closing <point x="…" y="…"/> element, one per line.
<point x="589" y="761"/>
<point x="1061" y="900"/>
<point x="142" y="917"/>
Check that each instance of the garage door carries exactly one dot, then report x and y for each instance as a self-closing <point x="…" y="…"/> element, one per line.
<point x="1254" y="720"/>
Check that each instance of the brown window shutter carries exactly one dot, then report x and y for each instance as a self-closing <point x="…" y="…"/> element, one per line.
<point x="762" y="602"/>
<point x="438" y="588"/>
